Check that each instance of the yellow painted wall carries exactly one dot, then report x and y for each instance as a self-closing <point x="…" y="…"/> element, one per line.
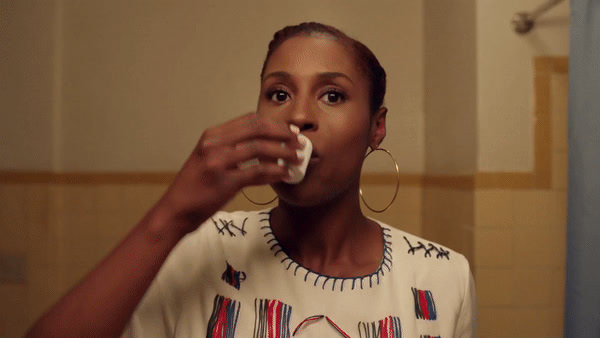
<point x="505" y="80"/>
<point x="450" y="87"/>
<point x="27" y="84"/>
<point x="130" y="86"/>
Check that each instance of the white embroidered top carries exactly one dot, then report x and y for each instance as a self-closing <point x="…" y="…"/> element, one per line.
<point x="230" y="278"/>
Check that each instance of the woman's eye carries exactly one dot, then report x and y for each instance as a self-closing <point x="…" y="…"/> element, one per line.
<point x="333" y="96"/>
<point x="278" y="95"/>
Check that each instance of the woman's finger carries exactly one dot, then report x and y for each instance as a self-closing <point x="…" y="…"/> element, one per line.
<point x="249" y="126"/>
<point x="263" y="173"/>
<point x="265" y="151"/>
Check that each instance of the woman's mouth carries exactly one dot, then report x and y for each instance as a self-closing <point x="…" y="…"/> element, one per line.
<point x="314" y="160"/>
<point x="314" y="157"/>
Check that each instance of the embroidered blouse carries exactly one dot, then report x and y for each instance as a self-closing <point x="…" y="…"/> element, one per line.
<point x="231" y="278"/>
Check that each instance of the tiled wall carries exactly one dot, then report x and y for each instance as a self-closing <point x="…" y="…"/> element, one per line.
<point x="26" y="238"/>
<point x="53" y="234"/>
<point x="520" y="233"/>
<point x="511" y="226"/>
<point x="520" y="243"/>
<point x="448" y="218"/>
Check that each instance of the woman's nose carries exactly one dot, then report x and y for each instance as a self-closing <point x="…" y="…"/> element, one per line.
<point x="304" y="116"/>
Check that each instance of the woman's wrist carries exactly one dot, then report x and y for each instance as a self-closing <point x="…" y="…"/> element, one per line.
<point x="168" y="219"/>
<point x="162" y="223"/>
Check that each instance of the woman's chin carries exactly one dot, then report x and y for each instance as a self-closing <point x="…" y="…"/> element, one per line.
<point x="305" y="194"/>
<point x="300" y="195"/>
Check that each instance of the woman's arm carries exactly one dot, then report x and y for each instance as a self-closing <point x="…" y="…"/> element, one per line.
<point x="103" y="302"/>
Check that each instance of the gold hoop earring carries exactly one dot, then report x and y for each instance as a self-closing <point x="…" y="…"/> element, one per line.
<point x="257" y="203"/>
<point x="397" y="181"/>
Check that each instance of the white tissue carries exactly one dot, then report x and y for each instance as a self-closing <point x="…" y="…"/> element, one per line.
<point x="297" y="172"/>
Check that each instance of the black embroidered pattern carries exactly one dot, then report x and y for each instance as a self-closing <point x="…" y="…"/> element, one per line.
<point x="224" y="318"/>
<point x="387" y="327"/>
<point x="440" y="251"/>
<point x="336" y="283"/>
<point x="227" y="225"/>
<point x="266" y="324"/>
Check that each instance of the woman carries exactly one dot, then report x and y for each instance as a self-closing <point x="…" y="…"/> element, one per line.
<point x="312" y="266"/>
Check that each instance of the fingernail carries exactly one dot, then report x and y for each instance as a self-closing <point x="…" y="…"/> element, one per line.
<point x="294" y="129"/>
<point x="299" y="154"/>
<point x="280" y="162"/>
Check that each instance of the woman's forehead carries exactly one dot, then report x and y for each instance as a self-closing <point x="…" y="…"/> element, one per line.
<point x="304" y="56"/>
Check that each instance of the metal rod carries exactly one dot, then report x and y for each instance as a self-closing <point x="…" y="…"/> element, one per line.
<point x="524" y="21"/>
<point x="543" y="8"/>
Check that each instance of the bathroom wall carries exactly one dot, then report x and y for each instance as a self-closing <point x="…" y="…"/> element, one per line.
<point x="450" y="124"/>
<point x="521" y="197"/>
<point x="502" y="199"/>
<point x="53" y="233"/>
<point x="104" y="100"/>
<point x="450" y="87"/>
<point x="521" y="224"/>
<point x="505" y="86"/>
<point x="98" y="80"/>
<point x="27" y="89"/>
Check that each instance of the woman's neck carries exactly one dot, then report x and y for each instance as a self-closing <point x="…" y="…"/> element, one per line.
<point x="334" y="239"/>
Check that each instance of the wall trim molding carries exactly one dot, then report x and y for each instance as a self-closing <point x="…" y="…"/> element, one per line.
<point x="95" y="178"/>
<point x="90" y="178"/>
<point x="544" y="67"/>
<point x="483" y="180"/>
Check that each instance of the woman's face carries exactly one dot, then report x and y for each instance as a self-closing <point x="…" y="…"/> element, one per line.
<point x="314" y="83"/>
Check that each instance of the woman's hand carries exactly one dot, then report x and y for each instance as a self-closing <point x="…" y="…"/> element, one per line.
<point x="211" y="176"/>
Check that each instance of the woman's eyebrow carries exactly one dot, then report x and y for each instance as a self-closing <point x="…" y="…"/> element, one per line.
<point x="277" y="74"/>
<point x="333" y="75"/>
<point x="322" y="76"/>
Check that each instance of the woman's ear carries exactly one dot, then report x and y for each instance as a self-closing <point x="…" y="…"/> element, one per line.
<point x="378" y="130"/>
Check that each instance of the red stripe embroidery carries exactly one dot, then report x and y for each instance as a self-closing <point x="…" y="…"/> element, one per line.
<point x="271" y="318"/>
<point x="424" y="306"/>
<point x="278" y="322"/>
<point x="220" y="321"/>
<point x="385" y="328"/>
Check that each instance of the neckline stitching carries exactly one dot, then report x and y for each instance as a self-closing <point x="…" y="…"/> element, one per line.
<point x="374" y="277"/>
